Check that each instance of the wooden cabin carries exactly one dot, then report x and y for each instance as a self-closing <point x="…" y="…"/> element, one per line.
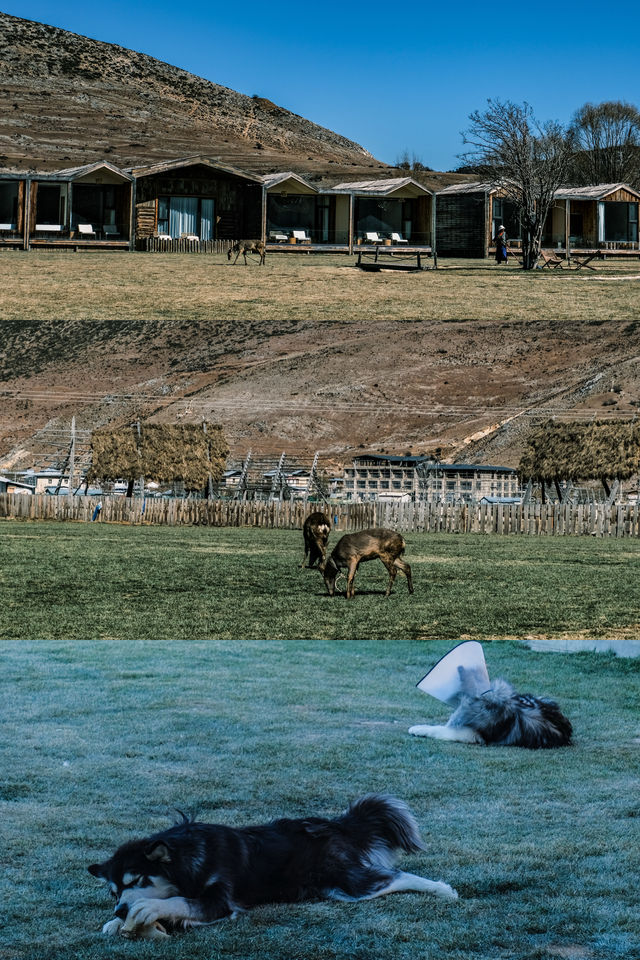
<point x="468" y="216"/>
<point x="291" y="210"/>
<point x="196" y="198"/>
<point x="603" y="217"/>
<point x="397" y="210"/>
<point x="87" y="206"/>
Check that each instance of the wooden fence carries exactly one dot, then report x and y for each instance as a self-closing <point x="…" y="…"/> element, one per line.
<point x="533" y="519"/>
<point x="182" y="245"/>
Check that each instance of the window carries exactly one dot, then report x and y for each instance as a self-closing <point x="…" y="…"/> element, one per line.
<point x="9" y="203"/>
<point x="178" y="215"/>
<point x="621" y="222"/>
<point x="51" y="204"/>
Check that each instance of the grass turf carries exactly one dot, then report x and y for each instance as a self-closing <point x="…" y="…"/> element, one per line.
<point x="146" y="669"/>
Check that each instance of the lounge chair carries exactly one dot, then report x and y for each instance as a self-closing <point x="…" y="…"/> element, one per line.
<point x="277" y="236"/>
<point x="550" y="260"/>
<point x="49" y="228"/>
<point x="7" y="227"/>
<point x="189" y="236"/>
<point x="371" y="237"/>
<point x="301" y="236"/>
<point x="398" y="238"/>
<point x="162" y="236"/>
<point x="85" y="230"/>
<point x="110" y="230"/>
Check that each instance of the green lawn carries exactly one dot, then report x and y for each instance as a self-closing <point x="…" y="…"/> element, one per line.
<point x="146" y="669"/>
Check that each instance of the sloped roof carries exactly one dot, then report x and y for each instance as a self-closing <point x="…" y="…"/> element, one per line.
<point x="596" y="191"/>
<point x="381" y="188"/>
<point x="477" y="187"/>
<point x="167" y="166"/>
<point x="68" y="173"/>
<point x="271" y="180"/>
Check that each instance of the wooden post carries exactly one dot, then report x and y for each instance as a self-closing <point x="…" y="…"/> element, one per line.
<point x="350" y="223"/>
<point x="27" y="214"/>
<point x="567" y="229"/>
<point x="434" y="251"/>
<point x="264" y="214"/>
<point x="132" y="215"/>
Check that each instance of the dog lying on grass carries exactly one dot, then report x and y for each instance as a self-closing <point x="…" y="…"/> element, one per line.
<point x="499" y="716"/>
<point x="197" y="873"/>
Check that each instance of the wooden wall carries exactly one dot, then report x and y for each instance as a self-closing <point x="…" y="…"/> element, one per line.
<point x="461" y="224"/>
<point x="237" y="203"/>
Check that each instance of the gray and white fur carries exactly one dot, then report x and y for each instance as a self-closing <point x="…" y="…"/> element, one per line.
<point x="499" y="716"/>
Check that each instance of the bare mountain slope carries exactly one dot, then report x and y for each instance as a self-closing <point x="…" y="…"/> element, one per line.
<point x="308" y="353"/>
<point x="66" y="99"/>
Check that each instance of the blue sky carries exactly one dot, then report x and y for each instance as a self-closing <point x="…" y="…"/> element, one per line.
<point x="392" y="77"/>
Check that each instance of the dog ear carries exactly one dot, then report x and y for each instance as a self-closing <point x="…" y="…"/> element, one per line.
<point x="158" y="852"/>
<point x="98" y="870"/>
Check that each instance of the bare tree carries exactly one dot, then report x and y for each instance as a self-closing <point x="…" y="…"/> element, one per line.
<point x="607" y="143"/>
<point x="526" y="159"/>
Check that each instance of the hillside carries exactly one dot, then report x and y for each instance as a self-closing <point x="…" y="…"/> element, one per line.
<point x="66" y="100"/>
<point x="309" y="353"/>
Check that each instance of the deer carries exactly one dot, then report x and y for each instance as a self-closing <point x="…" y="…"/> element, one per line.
<point x="247" y="246"/>
<point x="315" y="531"/>
<point x="354" y="548"/>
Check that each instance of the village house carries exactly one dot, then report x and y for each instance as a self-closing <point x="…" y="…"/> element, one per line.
<point x="7" y="485"/>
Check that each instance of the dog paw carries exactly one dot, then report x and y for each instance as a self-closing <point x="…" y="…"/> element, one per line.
<point x="445" y="891"/>
<point x="421" y="731"/>
<point x="152" y="931"/>
<point x="112" y="927"/>
<point x="143" y="913"/>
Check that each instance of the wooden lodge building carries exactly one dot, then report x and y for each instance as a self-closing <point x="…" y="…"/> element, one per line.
<point x="201" y="204"/>
<point x="602" y="217"/>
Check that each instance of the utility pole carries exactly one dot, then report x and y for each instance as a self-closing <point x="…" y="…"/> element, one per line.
<point x="72" y="456"/>
<point x="241" y="491"/>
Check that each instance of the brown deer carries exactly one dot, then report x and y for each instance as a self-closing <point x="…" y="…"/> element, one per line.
<point x="315" y="531"/>
<point x="247" y="246"/>
<point x="352" y="549"/>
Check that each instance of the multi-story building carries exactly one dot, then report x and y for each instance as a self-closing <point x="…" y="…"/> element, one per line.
<point x="386" y="477"/>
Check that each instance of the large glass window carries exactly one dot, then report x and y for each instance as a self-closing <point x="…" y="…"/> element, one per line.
<point x="93" y="203"/>
<point x="9" y="205"/>
<point x="51" y="204"/>
<point x="621" y="222"/>
<point x="186" y="215"/>
<point x="285" y="214"/>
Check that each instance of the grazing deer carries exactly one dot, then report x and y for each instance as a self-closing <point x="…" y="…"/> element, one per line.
<point x="315" y="531"/>
<point x="352" y="549"/>
<point x="247" y="246"/>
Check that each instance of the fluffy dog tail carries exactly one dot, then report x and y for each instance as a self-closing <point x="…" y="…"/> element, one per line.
<point x="516" y="719"/>
<point x="379" y="819"/>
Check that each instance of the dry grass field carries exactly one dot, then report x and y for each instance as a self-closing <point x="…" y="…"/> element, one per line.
<point x="310" y="353"/>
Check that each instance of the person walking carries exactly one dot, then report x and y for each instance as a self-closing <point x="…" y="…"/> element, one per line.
<point x="501" y="245"/>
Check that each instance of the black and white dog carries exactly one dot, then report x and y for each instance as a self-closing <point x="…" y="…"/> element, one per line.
<point x="501" y="717"/>
<point x="197" y="873"/>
